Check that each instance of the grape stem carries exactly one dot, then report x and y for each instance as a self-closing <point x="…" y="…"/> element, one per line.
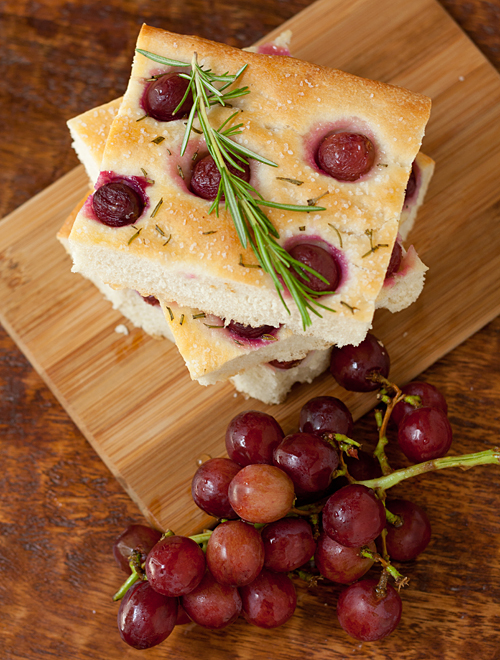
<point x="464" y="461"/>
<point x="400" y="580"/>
<point x="134" y="577"/>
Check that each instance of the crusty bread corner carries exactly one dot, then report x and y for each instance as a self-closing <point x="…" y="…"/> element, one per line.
<point x="213" y="353"/>
<point x="424" y="168"/>
<point x="271" y="385"/>
<point x="200" y="266"/>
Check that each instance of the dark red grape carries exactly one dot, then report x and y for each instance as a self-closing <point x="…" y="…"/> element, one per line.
<point x="395" y="260"/>
<point x="235" y="553"/>
<point x="146" y="618"/>
<point x="353" y="516"/>
<point x="321" y="261"/>
<point x="340" y="564"/>
<point x="366" y="616"/>
<point x="151" y="300"/>
<point x="261" y="493"/>
<point x="288" y="544"/>
<point x="269" y="601"/>
<point x="411" y="186"/>
<point x="117" y="204"/>
<point x="164" y="95"/>
<point x="252" y="436"/>
<point x="350" y="365"/>
<point x="248" y="332"/>
<point x="206" y="177"/>
<point x="175" y="566"/>
<point x="346" y="156"/>
<point x="408" y="541"/>
<point x="364" y="467"/>
<point x="290" y="364"/>
<point x="136" y="538"/>
<point x="325" y="414"/>
<point x="212" y="605"/>
<point x="308" y="460"/>
<point x="210" y="485"/>
<point x="430" y="397"/>
<point x="424" y="434"/>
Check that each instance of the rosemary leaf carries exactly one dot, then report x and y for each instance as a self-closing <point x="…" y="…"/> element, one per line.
<point x="132" y="238"/>
<point x="156" y="208"/>
<point x="295" y="182"/>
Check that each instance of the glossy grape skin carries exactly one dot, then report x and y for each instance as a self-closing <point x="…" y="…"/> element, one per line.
<point x="405" y="543"/>
<point x="175" y="566"/>
<point x="136" y="538"/>
<point x="205" y="178"/>
<point x="249" y="332"/>
<point x="353" y="516"/>
<point x="340" y="564"/>
<point x="288" y="544"/>
<point x="270" y="600"/>
<point x="366" y="617"/>
<point x="235" y="553"/>
<point x="430" y="397"/>
<point x="395" y="260"/>
<point x="146" y="618"/>
<point x="350" y="365"/>
<point x="251" y="437"/>
<point x="116" y="204"/>
<point x="212" y="605"/>
<point x="164" y="95"/>
<point x="346" y="156"/>
<point x="261" y="493"/>
<point x="308" y="460"/>
<point x="210" y="485"/>
<point x="322" y="262"/>
<point x="425" y="434"/>
<point x="325" y="414"/>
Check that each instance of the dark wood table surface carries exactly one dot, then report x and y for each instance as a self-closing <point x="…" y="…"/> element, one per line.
<point x="60" y="508"/>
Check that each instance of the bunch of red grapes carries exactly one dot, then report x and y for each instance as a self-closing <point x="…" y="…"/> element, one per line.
<point x="294" y="504"/>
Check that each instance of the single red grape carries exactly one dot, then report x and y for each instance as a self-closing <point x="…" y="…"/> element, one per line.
<point x="212" y="605"/>
<point x="249" y="332"/>
<point x="350" y="365"/>
<point x="164" y="95"/>
<point x="261" y="493"/>
<point x="136" y="538"/>
<point x="210" y="485"/>
<point x="411" y="186"/>
<point x="235" y="553"/>
<point x="364" y="467"/>
<point x="270" y="600"/>
<point x="308" y="460"/>
<point x="252" y="436"/>
<point x="325" y="414"/>
<point x="424" y="434"/>
<point x="353" y="516"/>
<point x="287" y="364"/>
<point x="175" y="566"/>
<point x="146" y="618"/>
<point x="322" y="262"/>
<point x="346" y="156"/>
<point x="430" y="397"/>
<point x="151" y="300"/>
<point x="408" y="541"/>
<point x="395" y="260"/>
<point x="117" y="204"/>
<point x="205" y="179"/>
<point x="340" y="564"/>
<point x="365" y="615"/>
<point x="288" y="544"/>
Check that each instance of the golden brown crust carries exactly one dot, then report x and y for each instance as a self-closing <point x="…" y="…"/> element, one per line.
<point x="290" y="102"/>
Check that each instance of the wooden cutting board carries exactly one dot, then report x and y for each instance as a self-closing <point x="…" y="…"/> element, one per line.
<point x="131" y="395"/>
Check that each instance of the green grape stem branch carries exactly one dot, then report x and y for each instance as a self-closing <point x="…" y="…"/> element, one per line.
<point x="242" y="200"/>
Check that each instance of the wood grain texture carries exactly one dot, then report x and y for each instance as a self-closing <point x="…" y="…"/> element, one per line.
<point x="60" y="507"/>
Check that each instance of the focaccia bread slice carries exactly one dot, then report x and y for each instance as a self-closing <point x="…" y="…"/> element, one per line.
<point x="283" y="120"/>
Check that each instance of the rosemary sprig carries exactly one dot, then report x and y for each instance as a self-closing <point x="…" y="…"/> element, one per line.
<point x="244" y="203"/>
